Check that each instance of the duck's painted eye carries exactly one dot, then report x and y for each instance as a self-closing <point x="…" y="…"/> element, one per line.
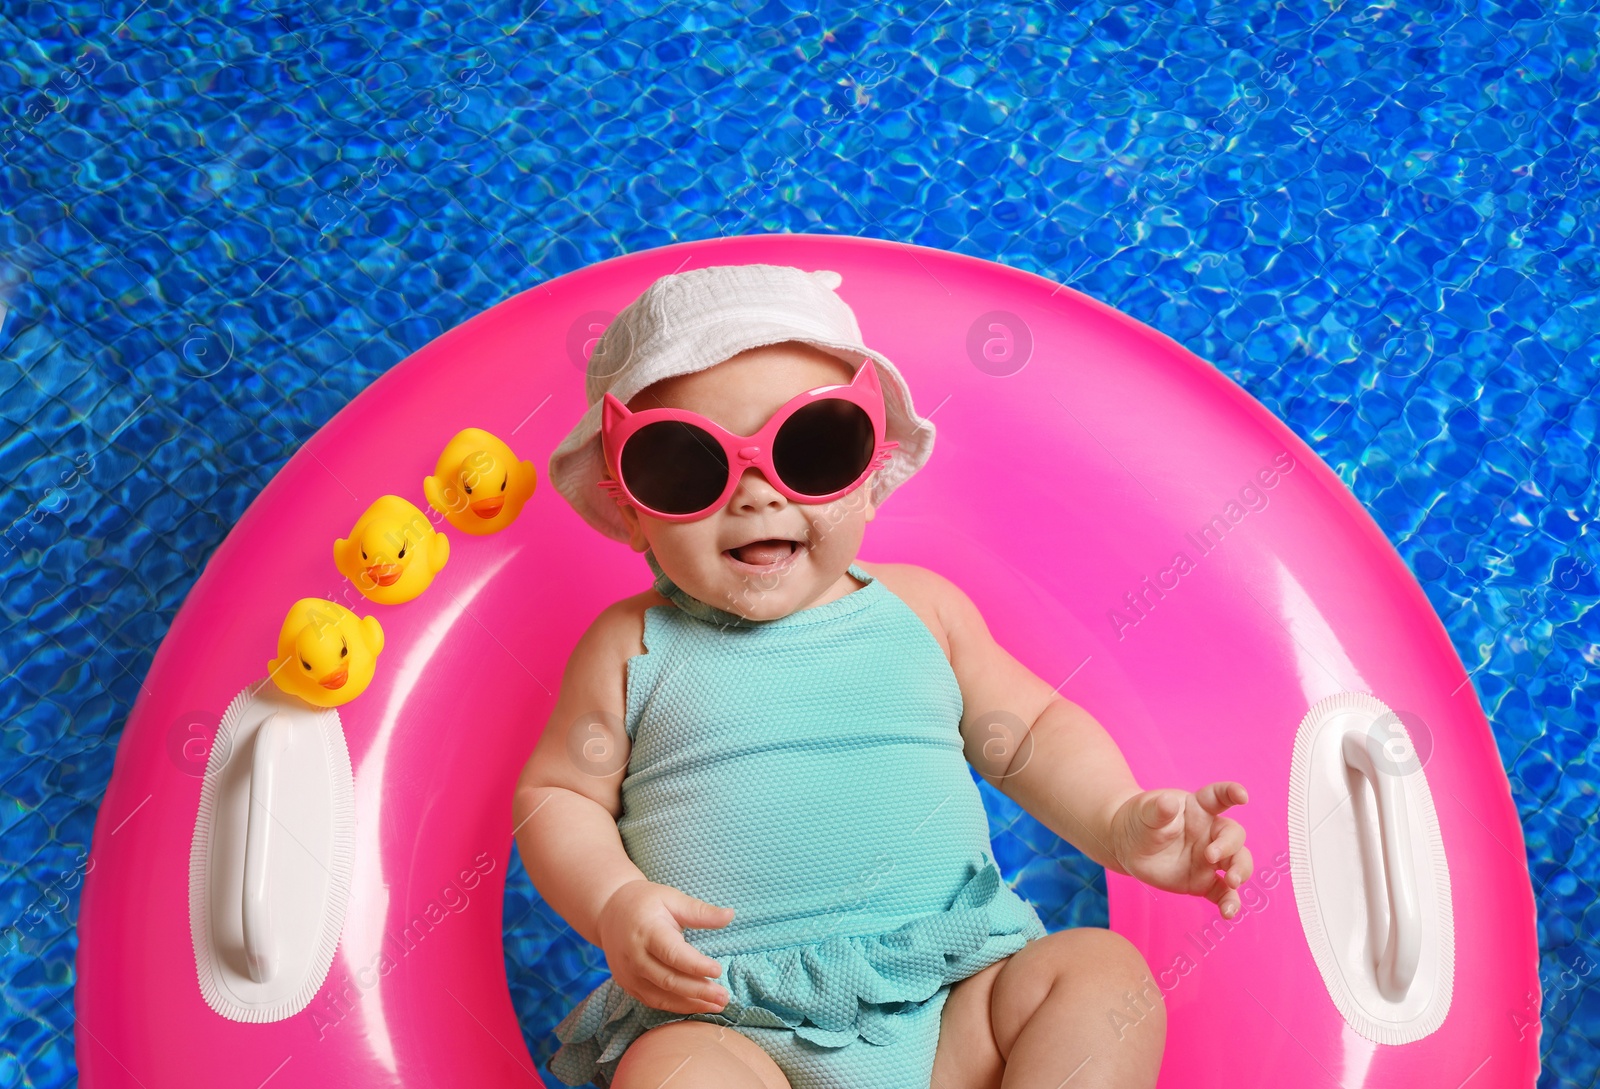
<point x="306" y="664"/>
<point x="504" y="482"/>
<point x="402" y="552"/>
<point x="467" y="486"/>
<point x="344" y="648"/>
<point x="363" y="553"/>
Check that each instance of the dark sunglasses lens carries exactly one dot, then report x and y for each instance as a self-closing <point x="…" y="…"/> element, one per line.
<point x="824" y="446"/>
<point x="674" y="467"/>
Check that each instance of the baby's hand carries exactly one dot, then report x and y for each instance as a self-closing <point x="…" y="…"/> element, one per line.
<point x="641" y="931"/>
<point x="1175" y="840"/>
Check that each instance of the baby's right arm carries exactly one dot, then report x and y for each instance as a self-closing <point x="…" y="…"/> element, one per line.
<point x="568" y="799"/>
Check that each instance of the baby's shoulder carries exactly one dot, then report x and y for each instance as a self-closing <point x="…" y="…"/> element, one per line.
<point x="928" y="594"/>
<point x="617" y="632"/>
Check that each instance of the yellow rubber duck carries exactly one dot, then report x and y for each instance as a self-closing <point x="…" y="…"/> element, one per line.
<point x="392" y="553"/>
<point x="478" y="484"/>
<point x="326" y="654"/>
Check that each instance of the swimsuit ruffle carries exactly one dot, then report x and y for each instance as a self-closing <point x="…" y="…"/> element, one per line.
<point x="830" y="992"/>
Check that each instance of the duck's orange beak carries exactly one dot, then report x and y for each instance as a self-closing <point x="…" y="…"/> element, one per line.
<point x="384" y="574"/>
<point x="336" y="679"/>
<point x="488" y="508"/>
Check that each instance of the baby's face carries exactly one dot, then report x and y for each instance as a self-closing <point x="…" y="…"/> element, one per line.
<point x="703" y="556"/>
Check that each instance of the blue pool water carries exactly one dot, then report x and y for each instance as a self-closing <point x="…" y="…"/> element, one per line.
<point x="217" y="229"/>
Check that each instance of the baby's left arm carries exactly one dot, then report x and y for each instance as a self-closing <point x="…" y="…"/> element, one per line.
<point x="1052" y="757"/>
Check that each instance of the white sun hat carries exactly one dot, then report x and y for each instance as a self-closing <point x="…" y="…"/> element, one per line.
<point x="689" y="321"/>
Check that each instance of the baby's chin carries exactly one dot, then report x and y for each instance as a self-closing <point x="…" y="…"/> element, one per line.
<point x="759" y="591"/>
<point x="766" y="591"/>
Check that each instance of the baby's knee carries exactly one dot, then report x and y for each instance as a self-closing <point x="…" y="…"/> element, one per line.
<point x="1090" y="962"/>
<point x="1107" y="951"/>
<point x="1116" y="981"/>
<point x="702" y="1054"/>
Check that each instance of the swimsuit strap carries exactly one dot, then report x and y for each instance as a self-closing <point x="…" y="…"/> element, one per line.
<point x="700" y="610"/>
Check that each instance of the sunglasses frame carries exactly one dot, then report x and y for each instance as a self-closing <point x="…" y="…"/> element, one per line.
<point x="618" y="424"/>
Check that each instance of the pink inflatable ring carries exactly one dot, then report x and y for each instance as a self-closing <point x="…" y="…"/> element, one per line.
<point x="1189" y="570"/>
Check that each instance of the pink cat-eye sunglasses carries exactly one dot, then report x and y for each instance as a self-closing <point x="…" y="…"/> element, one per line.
<point x="679" y="466"/>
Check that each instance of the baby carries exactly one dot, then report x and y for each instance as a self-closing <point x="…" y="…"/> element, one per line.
<point x="757" y="771"/>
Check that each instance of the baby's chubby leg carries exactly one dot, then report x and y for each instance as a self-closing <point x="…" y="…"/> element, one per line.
<point x="1043" y="1019"/>
<point x="699" y="1054"/>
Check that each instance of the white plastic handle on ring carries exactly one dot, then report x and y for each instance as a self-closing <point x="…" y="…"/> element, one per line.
<point x="260" y="947"/>
<point x="272" y="855"/>
<point x="1397" y="963"/>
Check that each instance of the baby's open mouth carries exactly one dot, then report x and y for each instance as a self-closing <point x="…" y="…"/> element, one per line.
<point x="764" y="553"/>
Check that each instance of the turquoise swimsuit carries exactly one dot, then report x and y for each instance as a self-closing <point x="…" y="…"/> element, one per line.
<point x="808" y="772"/>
